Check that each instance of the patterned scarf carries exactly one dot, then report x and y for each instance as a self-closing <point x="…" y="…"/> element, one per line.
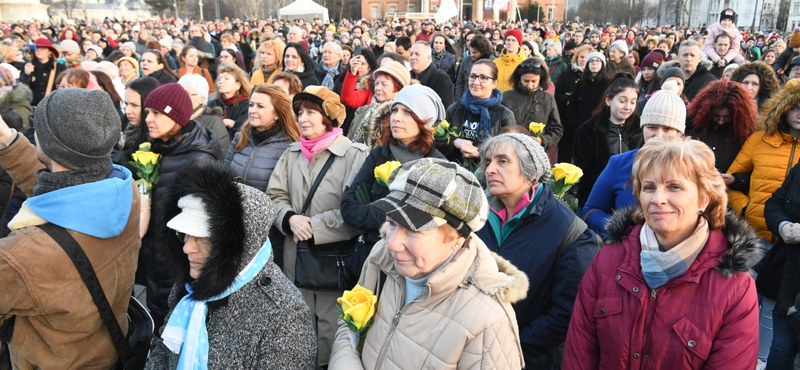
<point x="659" y="267"/>
<point x="481" y="106"/>
<point x="186" y="332"/>
<point x="330" y="73"/>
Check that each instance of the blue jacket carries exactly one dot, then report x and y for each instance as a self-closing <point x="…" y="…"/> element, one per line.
<point x="611" y="191"/>
<point x="530" y="241"/>
<point x="254" y="163"/>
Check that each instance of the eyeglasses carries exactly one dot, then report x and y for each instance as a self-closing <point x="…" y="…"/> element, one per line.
<point x="531" y="63"/>
<point x="201" y="242"/>
<point x="482" y="78"/>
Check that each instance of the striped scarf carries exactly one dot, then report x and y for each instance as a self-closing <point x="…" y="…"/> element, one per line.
<point x="660" y="267"/>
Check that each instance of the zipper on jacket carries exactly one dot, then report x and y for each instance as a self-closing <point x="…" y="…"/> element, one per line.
<point x="249" y="162"/>
<point x="791" y="157"/>
<point x="395" y="321"/>
<point x="620" y="142"/>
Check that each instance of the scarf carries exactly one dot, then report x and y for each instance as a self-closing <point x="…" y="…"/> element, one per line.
<point x="233" y="100"/>
<point x="186" y="331"/>
<point x="438" y="56"/>
<point x="362" y="128"/>
<point x="401" y="153"/>
<point x="330" y="73"/>
<point x="261" y="136"/>
<point x="659" y="267"/>
<point x="311" y="147"/>
<point x="51" y="181"/>
<point x="481" y="106"/>
<point x="576" y="67"/>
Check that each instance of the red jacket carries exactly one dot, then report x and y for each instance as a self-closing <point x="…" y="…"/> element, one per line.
<point x="705" y="319"/>
<point x="350" y="96"/>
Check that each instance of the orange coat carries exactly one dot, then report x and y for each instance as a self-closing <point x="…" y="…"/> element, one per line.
<point x="200" y="71"/>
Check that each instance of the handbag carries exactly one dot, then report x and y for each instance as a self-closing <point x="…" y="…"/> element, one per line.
<point x="331" y="266"/>
<point x="132" y="350"/>
<point x="770" y="269"/>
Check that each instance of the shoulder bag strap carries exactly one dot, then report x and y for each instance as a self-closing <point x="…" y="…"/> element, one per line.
<point x="52" y="78"/>
<point x="573" y="232"/>
<point x="318" y="180"/>
<point x="84" y="267"/>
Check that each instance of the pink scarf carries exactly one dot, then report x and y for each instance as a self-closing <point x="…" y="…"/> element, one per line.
<point x="311" y="147"/>
<point x="526" y="199"/>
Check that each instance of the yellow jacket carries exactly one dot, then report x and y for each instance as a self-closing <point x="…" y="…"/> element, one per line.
<point x="506" y="64"/>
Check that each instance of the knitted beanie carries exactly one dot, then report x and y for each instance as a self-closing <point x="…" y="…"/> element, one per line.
<point x="539" y="158"/>
<point x="597" y="55"/>
<point x="665" y="108"/>
<point x="621" y="45"/>
<point x="727" y="14"/>
<point x="672" y="72"/>
<point x="595" y="32"/>
<point x="652" y="60"/>
<point x="129" y="45"/>
<point x="69" y="46"/>
<point x="173" y="101"/>
<point x="77" y="128"/>
<point x="516" y="33"/>
<point x="423" y="101"/>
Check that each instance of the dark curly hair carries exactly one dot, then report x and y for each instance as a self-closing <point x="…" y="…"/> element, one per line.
<point x="482" y="45"/>
<point x="725" y="94"/>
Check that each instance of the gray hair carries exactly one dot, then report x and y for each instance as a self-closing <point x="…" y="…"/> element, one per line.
<point x="380" y="36"/>
<point x="427" y="46"/>
<point x="108" y="68"/>
<point x="336" y="46"/>
<point x="555" y="45"/>
<point x="689" y="43"/>
<point x="197" y="83"/>
<point x="535" y="166"/>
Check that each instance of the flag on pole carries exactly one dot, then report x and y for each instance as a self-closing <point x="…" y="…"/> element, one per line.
<point x="447" y="10"/>
<point x="499" y="4"/>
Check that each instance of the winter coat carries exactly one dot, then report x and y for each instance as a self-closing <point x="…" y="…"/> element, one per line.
<point x="372" y="137"/>
<point x="543" y="316"/>
<point x="263" y="325"/>
<point x="611" y="191"/>
<point x="623" y="66"/>
<point x="591" y="151"/>
<point x="162" y="77"/>
<point x="565" y="87"/>
<point x="447" y="64"/>
<point x="38" y="79"/>
<point x="716" y="138"/>
<point x="320" y="73"/>
<point x="359" y="215"/>
<point x="458" y="115"/>
<point x="536" y="106"/>
<point x="56" y="324"/>
<point x="556" y="67"/>
<point x="19" y="98"/>
<point x="506" y="64"/>
<point x="706" y="318"/>
<point x="307" y="77"/>
<point x="258" y="77"/>
<point x="352" y="96"/>
<point x="196" y="144"/>
<point x="238" y="112"/>
<point x="467" y="307"/>
<point x="291" y="181"/>
<point x="438" y="81"/>
<point x="588" y="94"/>
<point x="462" y="77"/>
<point x="780" y="208"/>
<point x="211" y="119"/>
<point x="253" y="165"/>
<point x="701" y="78"/>
<point x="203" y="73"/>
<point x="715" y="30"/>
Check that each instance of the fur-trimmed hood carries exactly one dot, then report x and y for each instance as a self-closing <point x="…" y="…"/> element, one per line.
<point x="769" y="82"/>
<point x="13" y="96"/>
<point x="203" y="51"/>
<point x="240" y="219"/>
<point x="778" y="104"/>
<point x="743" y="243"/>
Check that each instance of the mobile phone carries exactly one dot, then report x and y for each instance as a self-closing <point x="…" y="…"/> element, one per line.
<point x="357" y="50"/>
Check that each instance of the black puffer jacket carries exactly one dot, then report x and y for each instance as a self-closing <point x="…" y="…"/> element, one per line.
<point x="457" y="115"/>
<point x="38" y="79"/>
<point x="307" y="77"/>
<point x="584" y="99"/>
<point x="238" y="112"/>
<point x="701" y="77"/>
<point x="784" y="206"/>
<point x="254" y="163"/>
<point x="564" y="89"/>
<point x="536" y="106"/>
<point x="162" y="77"/>
<point x="196" y="144"/>
<point x="437" y="80"/>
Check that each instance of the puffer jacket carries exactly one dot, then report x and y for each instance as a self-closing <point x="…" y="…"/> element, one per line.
<point x="56" y="324"/>
<point x="467" y="305"/>
<point x="701" y="77"/>
<point x="768" y="155"/>
<point x="706" y="318"/>
<point x="506" y="64"/>
<point x="536" y="106"/>
<point x="254" y="164"/>
<point x="291" y="181"/>
<point x="715" y="30"/>
<point x="457" y="115"/>
<point x="783" y="207"/>
<point x="197" y="144"/>
<point x="263" y="325"/>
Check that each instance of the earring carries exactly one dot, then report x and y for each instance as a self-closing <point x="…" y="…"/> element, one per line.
<point x="700" y="212"/>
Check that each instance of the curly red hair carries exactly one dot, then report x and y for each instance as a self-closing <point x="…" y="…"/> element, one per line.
<point x="731" y="95"/>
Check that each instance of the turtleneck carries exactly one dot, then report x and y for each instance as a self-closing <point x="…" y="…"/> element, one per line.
<point x="259" y="136"/>
<point x="415" y="287"/>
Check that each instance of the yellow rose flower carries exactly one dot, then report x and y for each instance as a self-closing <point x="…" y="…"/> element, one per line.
<point x="445" y="125"/>
<point x="358" y="306"/>
<point x="146" y="157"/>
<point x="568" y="172"/>
<point x="536" y="128"/>
<point x="144" y="147"/>
<point x="385" y="170"/>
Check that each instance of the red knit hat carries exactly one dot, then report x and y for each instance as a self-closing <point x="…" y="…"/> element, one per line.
<point x="516" y="33"/>
<point x="652" y="60"/>
<point x="173" y="101"/>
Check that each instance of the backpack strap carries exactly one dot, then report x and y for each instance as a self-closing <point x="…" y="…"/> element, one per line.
<point x="573" y="232"/>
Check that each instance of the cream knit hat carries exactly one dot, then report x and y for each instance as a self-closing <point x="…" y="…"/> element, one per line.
<point x="665" y="108"/>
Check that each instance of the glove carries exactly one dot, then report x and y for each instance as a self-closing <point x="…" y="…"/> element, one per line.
<point x="362" y="193"/>
<point x="790" y="233"/>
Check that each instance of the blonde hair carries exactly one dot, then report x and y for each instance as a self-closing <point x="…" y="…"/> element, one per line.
<point x="581" y="49"/>
<point x="277" y="46"/>
<point x="237" y="74"/>
<point x="689" y="158"/>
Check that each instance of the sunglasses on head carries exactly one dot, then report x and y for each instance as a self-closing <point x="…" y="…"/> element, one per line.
<point x="531" y="63"/>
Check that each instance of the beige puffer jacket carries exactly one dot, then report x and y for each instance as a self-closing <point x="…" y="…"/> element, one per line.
<point x="463" y="321"/>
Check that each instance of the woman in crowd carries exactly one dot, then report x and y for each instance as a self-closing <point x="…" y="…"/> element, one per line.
<point x="443" y="54"/>
<point x="297" y="61"/>
<point x="289" y="82"/>
<point x="228" y="57"/>
<point x="530" y="103"/>
<point x="405" y="137"/>
<point x="154" y="65"/>
<point x="188" y="60"/>
<point x="129" y="50"/>
<point x="231" y="306"/>
<point x="514" y="169"/>
<point x="435" y="275"/>
<point x="722" y="116"/>
<point x="233" y="88"/>
<point x="612" y="190"/>
<point x="673" y="288"/>
<point x="197" y="88"/>
<point x="319" y="113"/>
<point x="769" y="58"/>
<point x="268" y="62"/>
<point x="648" y="76"/>
<point x="589" y="91"/>
<point x="134" y="132"/>
<point x="479" y="48"/>
<point x="40" y="73"/>
<point x="367" y="124"/>
<point x="555" y="65"/>
<point x="478" y="115"/>
<point x="507" y="62"/>
<point x="180" y="142"/>
<point x="356" y="83"/>
<point x="564" y="90"/>
<point x="128" y="69"/>
<point x="633" y="59"/>
<point x="758" y="79"/>
<point x="229" y="43"/>
<point x="671" y="78"/>
<point x="613" y="129"/>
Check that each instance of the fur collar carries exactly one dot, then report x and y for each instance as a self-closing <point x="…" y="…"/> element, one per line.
<point x="704" y="64"/>
<point x="778" y="104"/>
<point x="743" y="243"/>
<point x="19" y="94"/>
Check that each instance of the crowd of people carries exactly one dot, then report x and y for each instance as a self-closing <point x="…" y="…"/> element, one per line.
<point x="270" y="139"/>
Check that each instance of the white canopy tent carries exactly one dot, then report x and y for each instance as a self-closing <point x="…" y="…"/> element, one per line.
<point x="305" y="10"/>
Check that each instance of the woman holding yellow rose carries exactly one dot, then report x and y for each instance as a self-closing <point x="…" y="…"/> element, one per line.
<point x="522" y="209"/>
<point x="407" y="138"/>
<point x="444" y="300"/>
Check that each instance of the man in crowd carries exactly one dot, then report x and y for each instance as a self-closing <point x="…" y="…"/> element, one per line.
<point x="423" y="69"/>
<point x="331" y="65"/>
<point x="695" y="68"/>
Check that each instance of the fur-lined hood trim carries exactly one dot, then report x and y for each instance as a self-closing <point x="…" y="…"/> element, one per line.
<point x="214" y="111"/>
<point x="743" y="243"/>
<point x="778" y="104"/>
<point x="379" y="113"/>
<point x="240" y="217"/>
<point x="769" y="82"/>
<point x="16" y="95"/>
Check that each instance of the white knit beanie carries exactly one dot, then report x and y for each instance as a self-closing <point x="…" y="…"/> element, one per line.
<point x="621" y="45"/>
<point x="665" y="108"/>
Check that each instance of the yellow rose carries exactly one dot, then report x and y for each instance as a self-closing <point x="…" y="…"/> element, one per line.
<point x="358" y="306"/>
<point x="568" y="172"/>
<point x="145" y="157"/>
<point x="385" y="170"/>
<point x="536" y="128"/>
<point x="445" y="125"/>
<point x="144" y="147"/>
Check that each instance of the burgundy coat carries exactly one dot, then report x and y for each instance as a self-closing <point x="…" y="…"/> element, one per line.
<point x="705" y="319"/>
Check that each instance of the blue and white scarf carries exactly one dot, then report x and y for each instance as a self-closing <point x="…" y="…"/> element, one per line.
<point x="660" y="267"/>
<point x="330" y="74"/>
<point x="186" y="331"/>
<point x="481" y="106"/>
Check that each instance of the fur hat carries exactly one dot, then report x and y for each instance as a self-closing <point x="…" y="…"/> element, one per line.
<point x="398" y="71"/>
<point x="665" y="108"/>
<point x="173" y="101"/>
<point x="329" y="101"/>
<point x="778" y="104"/>
<point x="621" y="45"/>
<point x="516" y="33"/>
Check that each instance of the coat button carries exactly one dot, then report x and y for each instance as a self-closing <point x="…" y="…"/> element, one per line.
<point x="602" y="311"/>
<point x="636" y="355"/>
<point x="265" y="281"/>
<point x="635" y="290"/>
<point x="691" y="343"/>
<point x="330" y="222"/>
<point x="619" y="278"/>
